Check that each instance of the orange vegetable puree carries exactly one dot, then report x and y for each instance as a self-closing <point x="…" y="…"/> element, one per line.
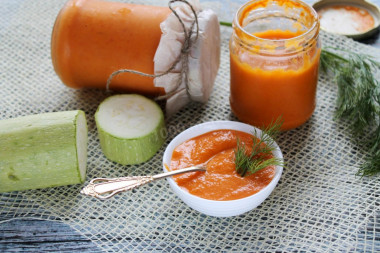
<point x="91" y="39"/>
<point x="220" y="181"/>
<point x="258" y="96"/>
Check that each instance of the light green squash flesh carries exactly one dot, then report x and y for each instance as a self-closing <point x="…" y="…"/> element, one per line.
<point x="131" y="128"/>
<point x="43" y="150"/>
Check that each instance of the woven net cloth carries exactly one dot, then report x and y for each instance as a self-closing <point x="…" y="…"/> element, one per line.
<point x="319" y="204"/>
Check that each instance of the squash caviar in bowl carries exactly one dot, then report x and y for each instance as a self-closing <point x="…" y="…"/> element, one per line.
<point x="220" y="191"/>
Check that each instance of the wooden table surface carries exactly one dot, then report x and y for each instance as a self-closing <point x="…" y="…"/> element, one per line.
<point x="32" y="235"/>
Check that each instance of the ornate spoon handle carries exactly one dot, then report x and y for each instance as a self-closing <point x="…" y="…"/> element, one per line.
<point x="105" y="188"/>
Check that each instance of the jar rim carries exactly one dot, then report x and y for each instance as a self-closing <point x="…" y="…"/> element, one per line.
<point x="311" y="10"/>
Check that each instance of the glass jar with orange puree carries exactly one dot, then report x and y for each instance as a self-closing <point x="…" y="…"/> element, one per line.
<point x="274" y="56"/>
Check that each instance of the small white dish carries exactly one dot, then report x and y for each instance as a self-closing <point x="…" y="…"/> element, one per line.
<point x="213" y="207"/>
<point x="371" y="8"/>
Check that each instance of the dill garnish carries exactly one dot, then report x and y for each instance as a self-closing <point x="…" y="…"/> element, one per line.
<point x="358" y="99"/>
<point x="258" y="157"/>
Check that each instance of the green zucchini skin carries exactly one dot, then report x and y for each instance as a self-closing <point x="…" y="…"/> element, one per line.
<point x="40" y="151"/>
<point x="128" y="151"/>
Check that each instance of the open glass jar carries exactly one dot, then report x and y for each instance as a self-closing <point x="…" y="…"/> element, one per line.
<point x="274" y="56"/>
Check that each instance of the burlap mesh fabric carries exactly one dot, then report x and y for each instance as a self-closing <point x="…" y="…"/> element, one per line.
<point x="319" y="204"/>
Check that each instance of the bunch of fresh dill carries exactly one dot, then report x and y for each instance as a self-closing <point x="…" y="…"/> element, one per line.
<point x="260" y="155"/>
<point x="358" y="98"/>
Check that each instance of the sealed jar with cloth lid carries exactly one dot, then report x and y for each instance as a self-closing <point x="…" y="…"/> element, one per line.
<point x="169" y="51"/>
<point x="274" y="56"/>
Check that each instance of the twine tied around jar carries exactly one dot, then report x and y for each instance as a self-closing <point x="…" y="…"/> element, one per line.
<point x="182" y="57"/>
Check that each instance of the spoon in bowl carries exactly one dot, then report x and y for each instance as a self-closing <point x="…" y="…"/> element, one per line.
<point x="105" y="188"/>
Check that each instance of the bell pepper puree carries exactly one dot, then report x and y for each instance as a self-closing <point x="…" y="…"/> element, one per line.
<point x="259" y="96"/>
<point x="278" y="34"/>
<point x="91" y="39"/>
<point x="220" y="181"/>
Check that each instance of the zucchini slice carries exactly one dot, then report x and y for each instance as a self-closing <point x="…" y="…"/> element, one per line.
<point x="131" y="128"/>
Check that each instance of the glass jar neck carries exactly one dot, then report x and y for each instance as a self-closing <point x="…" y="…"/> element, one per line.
<point x="273" y="26"/>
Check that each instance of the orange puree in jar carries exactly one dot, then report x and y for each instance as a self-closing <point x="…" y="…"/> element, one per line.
<point x="274" y="58"/>
<point x="91" y="39"/>
<point x="260" y="96"/>
<point x="220" y="181"/>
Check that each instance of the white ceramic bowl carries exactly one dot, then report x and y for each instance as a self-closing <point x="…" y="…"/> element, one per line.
<point x="213" y="207"/>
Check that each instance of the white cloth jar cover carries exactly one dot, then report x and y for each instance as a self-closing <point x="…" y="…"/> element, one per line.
<point x="203" y="59"/>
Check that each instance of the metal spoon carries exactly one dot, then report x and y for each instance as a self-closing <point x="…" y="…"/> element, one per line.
<point x="105" y="188"/>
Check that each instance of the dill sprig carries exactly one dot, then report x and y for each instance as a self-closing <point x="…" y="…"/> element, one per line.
<point x="225" y="23"/>
<point x="248" y="162"/>
<point x="358" y="99"/>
